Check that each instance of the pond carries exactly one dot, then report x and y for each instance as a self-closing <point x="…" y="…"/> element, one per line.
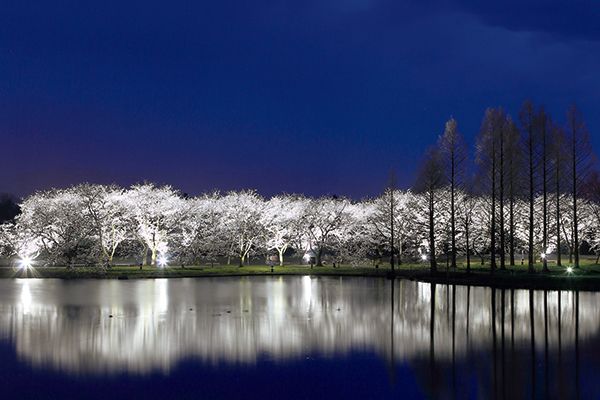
<point x="294" y="337"/>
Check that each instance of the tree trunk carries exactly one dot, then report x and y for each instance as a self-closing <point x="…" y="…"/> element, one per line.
<point x="319" y="254"/>
<point x="452" y="209"/>
<point x="400" y="245"/>
<point x="392" y="227"/>
<point x="511" y="222"/>
<point x="501" y="204"/>
<point x="153" y="259"/>
<point x="280" y="251"/>
<point x="575" y="221"/>
<point x="432" y="260"/>
<point x="545" y="198"/>
<point x="145" y="255"/>
<point x="468" y="248"/>
<point x="558" y="257"/>
<point x="493" y="214"/>
<point x="530" y="260"/>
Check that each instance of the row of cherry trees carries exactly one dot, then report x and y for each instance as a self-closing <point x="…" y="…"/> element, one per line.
<point x="97" y="224"/>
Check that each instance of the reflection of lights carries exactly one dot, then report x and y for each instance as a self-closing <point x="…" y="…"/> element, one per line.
<point x="25" y="262"/>
<point x="307" y="291"/>
<point x="424" y="292"/>
<point x="161" y="295"/>
<point x="277" y="299"/>
<point x="144" y="344"/>
<point x="162" y="261"/>
<point x="569" y="270"/>
<point x="26" y="297"/>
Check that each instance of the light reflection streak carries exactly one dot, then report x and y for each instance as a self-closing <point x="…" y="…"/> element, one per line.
<point x="25" y="296"/>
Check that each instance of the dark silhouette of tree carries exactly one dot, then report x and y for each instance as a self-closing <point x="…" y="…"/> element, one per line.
<point x="430" y="179"/>
<point x="9" y="208"/>
<point x="454" y="154"/>
<point x="487" y="158"/>
<point x="581" y="164"/>
<point x="466" y="211"/>
<point x="558" y="161"/>
<point x="527" y="116"/>
<point x="513" y="164"/>
<point x="542" y="127"/>
<point x="504" y="133"/>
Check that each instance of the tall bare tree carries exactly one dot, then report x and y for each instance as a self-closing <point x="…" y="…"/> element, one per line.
<point x="527" y="116"/>
<point x="487" y="158"/>
<point x="581" y="164"/>
<point x="542" y="128"/>
<point x="513" y="181"/>
<point x="504" y="132"/>
<point x="454" y="154"/>
<point x="558" y="160"/>
<point x="430" y="179"/>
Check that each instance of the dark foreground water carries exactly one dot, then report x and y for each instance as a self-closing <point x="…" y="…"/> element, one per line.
<point x="294" y="337"/>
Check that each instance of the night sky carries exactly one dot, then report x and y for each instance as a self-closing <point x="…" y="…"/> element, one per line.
<point x="310" y="96"/>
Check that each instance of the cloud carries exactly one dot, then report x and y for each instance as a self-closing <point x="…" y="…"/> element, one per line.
<point x="574" y="19"/>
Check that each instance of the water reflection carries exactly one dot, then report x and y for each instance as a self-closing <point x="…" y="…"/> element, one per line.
<point x="512" y="343"/>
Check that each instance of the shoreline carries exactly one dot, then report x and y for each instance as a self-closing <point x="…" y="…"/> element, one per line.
<point x="583" y="279"/>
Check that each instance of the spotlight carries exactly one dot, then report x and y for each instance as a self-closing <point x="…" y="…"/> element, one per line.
<point x="25" y="262"/>
<point x="162" y="261"/>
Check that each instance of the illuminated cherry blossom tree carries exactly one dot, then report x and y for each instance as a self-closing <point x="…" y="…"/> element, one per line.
<point x="243" y="223"/>
<point x="105" y="207"/>
<point x="201" y="233"/>
<point x="56" y="219"/>
<point x="157" y="212"/>
<point x="323" y="219"/>
<point x="282" y="220"/>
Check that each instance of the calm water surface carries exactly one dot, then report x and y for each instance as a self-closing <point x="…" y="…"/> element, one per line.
<point x="294" y="337"/>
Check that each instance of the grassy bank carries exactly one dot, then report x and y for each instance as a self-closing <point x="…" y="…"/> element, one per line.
<point x="585" y="278"/>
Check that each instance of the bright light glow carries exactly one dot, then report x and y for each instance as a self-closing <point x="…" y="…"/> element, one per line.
<point x="25" y="262"/>
<point x="162" y="261"/>
<point x="543" y="255"/>
<point x="569" y="270"/>
<point x="424" y="257"/>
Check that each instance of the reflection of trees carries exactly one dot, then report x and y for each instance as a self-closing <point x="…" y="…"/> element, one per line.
<point x="156" y="323"/>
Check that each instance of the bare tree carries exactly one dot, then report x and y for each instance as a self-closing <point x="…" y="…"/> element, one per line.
<point x="542" y="122"/>
<point x="513" y="180"/>
<point x="430" y="180"/>
<point x="558" y="160"/>
<point x="466" y="206"/>
<point x="487" y="158"/>
<point x="527" y="115"/>
<point x="581" y="164"/>
<point x="454" y="154"/>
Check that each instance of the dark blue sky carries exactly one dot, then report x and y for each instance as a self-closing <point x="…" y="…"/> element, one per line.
<point x="311" y="96"/>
